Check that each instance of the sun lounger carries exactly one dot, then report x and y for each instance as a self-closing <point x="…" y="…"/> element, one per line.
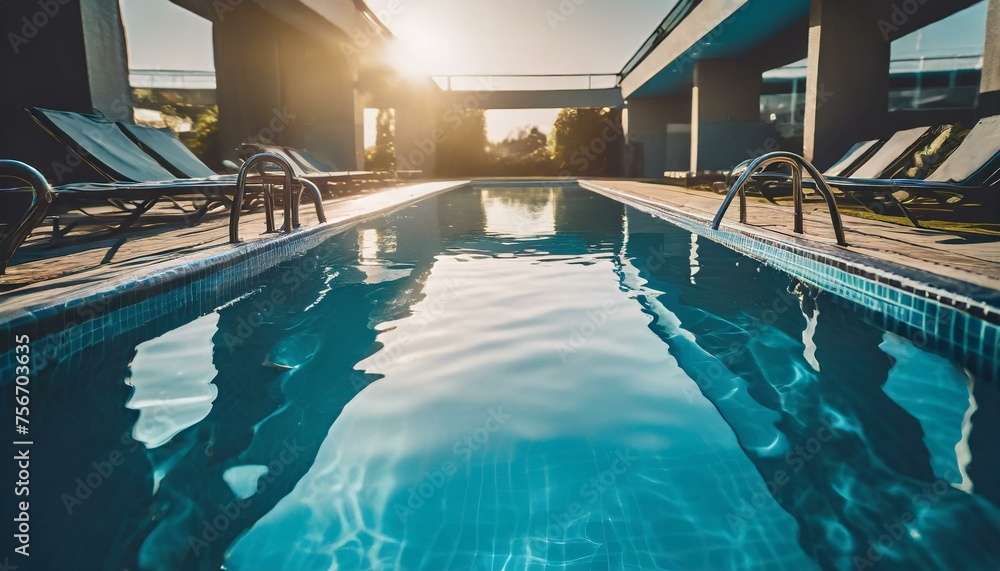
<point x="136" y="182"/>
<point x="164" y="146"/>
<point x="867" y="159"/>
<point x="306" y="167"/>
<point x="967" y="177"/>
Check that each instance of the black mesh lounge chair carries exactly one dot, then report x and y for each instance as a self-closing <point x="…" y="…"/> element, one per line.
<point x="892" y="154"/>
<point x="852" y="160"/>
<point x="131" y="174"/>
<point x="868" y="159"/>
<point x="309" y="161"/>
<point x="164" y="146"/>
<point x="305" y="167"/>
<point x="136" y="181"/>
<point x="46" y="202"/>
<point x="124" y="153"/>
<point x="968" y="177"/>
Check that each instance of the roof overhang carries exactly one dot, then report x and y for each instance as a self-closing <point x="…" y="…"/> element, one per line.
<point x="714" y="29"/>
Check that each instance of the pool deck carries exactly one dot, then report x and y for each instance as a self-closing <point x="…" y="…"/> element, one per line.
<point x="41" y="273"/>
<point x="971" y="259"/>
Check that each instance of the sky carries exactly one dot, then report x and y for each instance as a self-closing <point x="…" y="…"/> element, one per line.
<point x="496" y="37"/>
<point x="162" y="35"/>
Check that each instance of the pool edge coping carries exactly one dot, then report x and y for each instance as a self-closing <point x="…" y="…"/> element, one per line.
<point x="921" y="283"/>
<point x="199" y="265"/>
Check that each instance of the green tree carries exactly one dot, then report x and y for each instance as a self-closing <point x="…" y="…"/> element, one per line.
<point x="588" y="142"/>
<point x="527" y="143"/>
<point x="178" y="108"/>
<point x="382" y="157"/>
<point x="524" y="153"/>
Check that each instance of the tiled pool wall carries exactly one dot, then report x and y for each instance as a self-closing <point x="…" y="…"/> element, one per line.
<point x="947" y="321"/>
<point x="945" y="317"/>
<point x="169" y="297"/>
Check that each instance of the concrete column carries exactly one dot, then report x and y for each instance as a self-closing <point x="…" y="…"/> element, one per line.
<point x="847" y="80"/>
<point x="318" y="92"/>
<point x="418" y="132"/>
<point x="277" y="85"/>
<point x="248" y="79"/>
<point x="60" y="55"/>
<point x="725" y="114"/>
<point x="417" y="138"/>
<point x="989" y="98"/>
<point x="662" y="127"/>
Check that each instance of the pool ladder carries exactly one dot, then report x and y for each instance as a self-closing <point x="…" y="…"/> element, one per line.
<point x="291" y="200"/>
<point x="797" y="165"/>
<point x="41" y="197"/>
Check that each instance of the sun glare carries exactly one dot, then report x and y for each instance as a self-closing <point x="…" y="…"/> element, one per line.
<point x="418" y="54"/>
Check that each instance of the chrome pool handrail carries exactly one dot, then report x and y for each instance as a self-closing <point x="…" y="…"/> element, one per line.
<point x="41" y="198"/>
<point x="291" y="199"/>
<point x="317" y="201"/>
<point x="797" y="164"/>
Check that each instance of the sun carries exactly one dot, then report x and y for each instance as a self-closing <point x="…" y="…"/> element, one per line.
<point x="419" y="51"/>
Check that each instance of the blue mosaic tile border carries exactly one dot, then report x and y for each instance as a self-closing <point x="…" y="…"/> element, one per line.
<point x="940" y="313"/>
<point x="191" y="286"/>
<point x="956" y="318"/>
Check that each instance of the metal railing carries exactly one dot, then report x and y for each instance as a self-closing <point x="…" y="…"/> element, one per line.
<point x="41" y="198"/>
<point x="528" y="82"/>
<point x="673" y="19"/>
<point x="797" y="165"/>
<point x="290" y="202"/>
<point x="171" y="79"/>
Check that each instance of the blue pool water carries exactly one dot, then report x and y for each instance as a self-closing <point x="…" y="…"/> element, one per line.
<point x="516" y="379"/>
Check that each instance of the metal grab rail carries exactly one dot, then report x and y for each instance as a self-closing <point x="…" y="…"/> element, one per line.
<point x="797" y="165"/>
<point x="41" y="198"/>
<point x="291" y="199"/>
<point x="317" y="201"/>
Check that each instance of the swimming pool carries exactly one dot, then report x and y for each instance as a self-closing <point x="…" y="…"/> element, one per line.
<point x="517" y="378"/>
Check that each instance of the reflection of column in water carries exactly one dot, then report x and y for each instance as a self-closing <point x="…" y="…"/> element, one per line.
<point x="284" y="381"/>
<point x="914" y="376"/>
<point x="983" y="443"/>
<point x="693" y="260"/>
<point x="877" y="464"/>
<point x="753" y="423"/>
